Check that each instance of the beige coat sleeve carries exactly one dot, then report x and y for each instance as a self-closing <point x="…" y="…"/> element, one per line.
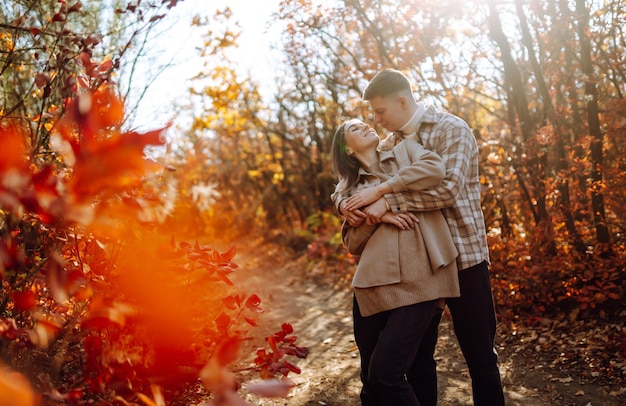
<point x="355" y="238"/>
<point x="419" y="168"/>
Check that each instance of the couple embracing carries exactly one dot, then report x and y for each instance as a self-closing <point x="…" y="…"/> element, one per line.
<point x="413" y="216"/>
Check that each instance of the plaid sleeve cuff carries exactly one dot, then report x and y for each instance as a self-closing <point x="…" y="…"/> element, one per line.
<point x="397" y="202"/>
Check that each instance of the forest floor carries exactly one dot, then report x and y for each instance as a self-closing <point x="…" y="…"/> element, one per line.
<point x="552" y="363"/>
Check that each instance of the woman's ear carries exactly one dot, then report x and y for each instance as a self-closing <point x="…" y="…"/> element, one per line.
<point x="349" y="151"/>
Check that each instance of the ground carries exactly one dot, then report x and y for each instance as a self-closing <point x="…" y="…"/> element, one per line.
<point x="538" y="365"/>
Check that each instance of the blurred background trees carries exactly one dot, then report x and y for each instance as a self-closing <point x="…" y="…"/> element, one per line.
<point x="541" y="83"/>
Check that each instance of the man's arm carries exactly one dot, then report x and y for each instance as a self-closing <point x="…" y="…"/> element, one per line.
<point x="456" y="146"/>
<point x="420" y="169"/>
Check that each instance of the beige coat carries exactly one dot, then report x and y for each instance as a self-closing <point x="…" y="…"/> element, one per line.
<point x="402" y="267"/>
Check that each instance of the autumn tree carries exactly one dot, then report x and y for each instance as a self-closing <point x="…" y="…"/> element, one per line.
<point x="512" y="70"/>
<point x="254" y="154"/>
<point x="96" y="302"/>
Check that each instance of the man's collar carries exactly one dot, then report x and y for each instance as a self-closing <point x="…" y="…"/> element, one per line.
<point x="411" y="126"/>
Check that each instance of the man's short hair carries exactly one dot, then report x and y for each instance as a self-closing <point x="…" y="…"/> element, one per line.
<point x="386" y="83"/>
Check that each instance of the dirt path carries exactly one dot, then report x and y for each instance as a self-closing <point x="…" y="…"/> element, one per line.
<point x="320" y="312"/>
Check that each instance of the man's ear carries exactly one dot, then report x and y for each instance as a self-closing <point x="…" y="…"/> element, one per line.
<point x="403" y="102"/>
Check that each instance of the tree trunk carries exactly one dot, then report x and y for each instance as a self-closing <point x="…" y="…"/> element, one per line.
<point x="512" y="74"/>
<point x="593" y="121"/>
<point x="513" y="80"/>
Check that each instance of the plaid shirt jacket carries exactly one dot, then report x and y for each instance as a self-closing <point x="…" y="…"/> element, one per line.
<point x="458" y="196"/>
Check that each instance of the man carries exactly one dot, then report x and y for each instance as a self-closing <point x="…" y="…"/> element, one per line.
<point x="391" y="99"/>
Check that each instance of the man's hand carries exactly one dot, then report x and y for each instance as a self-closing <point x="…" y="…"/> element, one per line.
<point x="375" y="211"/>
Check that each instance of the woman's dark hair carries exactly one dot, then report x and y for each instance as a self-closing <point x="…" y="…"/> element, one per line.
<point x="386" y="83"/>
<point x="346" y="167"/>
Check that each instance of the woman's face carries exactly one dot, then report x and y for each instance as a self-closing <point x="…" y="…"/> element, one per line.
<point x="359" y="136"/>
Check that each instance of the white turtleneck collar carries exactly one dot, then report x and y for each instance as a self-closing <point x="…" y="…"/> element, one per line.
<point x="412" y="125"/>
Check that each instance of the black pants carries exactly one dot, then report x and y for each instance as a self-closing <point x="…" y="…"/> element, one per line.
<point x="388" y="343"/>
<point x="474" y="318"/>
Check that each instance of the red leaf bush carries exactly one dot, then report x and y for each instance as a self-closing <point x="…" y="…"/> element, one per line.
<point x="96" y="303"/>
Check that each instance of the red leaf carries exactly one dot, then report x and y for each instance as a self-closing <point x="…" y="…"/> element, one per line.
<point x="292" y="367"/>
<point x="250" y="321"/>
<point x="290" y="339"/>
<point x="221" y="276"/>
<point x="223" y="323"/>
<point x="76" y="7"/>
<point x="230" y="254"/>
<point x="272" y="343"/>
<point x="24" y="300"/>
<point x="230" y="302"/>
<point x="302" y="352"/>
<point x="41" y="79"/>
<point x="253" y="303"/>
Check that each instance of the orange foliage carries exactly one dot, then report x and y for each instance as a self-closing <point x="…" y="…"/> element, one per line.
<point x="13" y="154"/>
<point x="145" y="307"/>
<point x="15" y="390"/>
<point x="103" y="158"/>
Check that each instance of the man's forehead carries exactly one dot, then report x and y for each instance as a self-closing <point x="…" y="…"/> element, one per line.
<point x="378" y="102"/>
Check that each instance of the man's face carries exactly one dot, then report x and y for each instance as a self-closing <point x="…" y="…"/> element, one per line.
<point x="391" y="112"/>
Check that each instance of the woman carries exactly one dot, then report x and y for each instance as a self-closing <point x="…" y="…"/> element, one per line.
<point x="406" y="264"/>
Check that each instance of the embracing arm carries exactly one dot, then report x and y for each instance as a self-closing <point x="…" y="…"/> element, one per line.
<point x="420" y="169"/>
<point x="355" y="238"/>
<point x="456" y="146"/>
<point x="426" y="170"/>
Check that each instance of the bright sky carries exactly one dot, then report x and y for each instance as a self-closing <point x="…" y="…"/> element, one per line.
<point x="179" y="45"/>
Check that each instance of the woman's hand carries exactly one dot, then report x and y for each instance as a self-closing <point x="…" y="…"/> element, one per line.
<point x="375" y="211"/>
<point x="355" y="217"/>
<point x="362" y="198"/>
<point x="403" y="221"/>
<point x="366" y="196"/>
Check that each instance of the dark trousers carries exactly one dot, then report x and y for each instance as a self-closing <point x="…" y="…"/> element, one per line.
<point x="474" y="318"/>
<point x="388" y="343"/>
